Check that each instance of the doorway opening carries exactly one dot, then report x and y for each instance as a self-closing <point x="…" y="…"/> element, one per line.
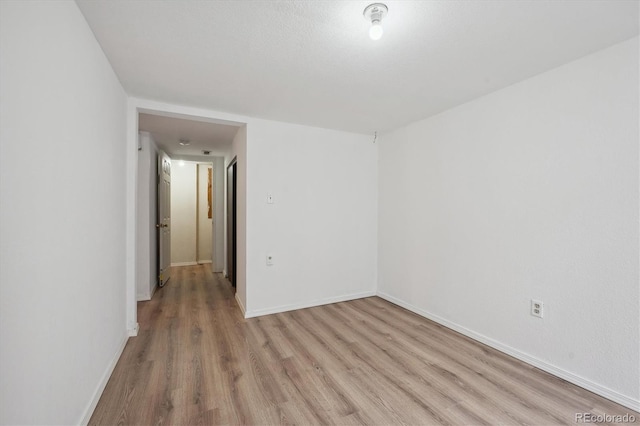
<point x="203" y="147"/>
<point x="205" y="249"/>
<point x="192" y="214"/>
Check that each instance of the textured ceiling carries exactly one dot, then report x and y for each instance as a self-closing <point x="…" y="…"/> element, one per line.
<point x="311" y="62"/>
<point x="168" y="131"/>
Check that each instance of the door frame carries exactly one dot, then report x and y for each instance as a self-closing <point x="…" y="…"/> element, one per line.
<point x="133" y="108"/>
<point x="232" y="221"/>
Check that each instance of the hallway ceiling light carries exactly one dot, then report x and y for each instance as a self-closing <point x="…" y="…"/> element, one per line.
<point x="185" y="142"/>
<point x="374" y="13"/>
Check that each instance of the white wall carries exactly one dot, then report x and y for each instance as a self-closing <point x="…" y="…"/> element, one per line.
<point x="62" y="221"/>
<point x="147" y="234"/>
<point x="321" y="229"/>
<point x="530" y="192"/>
<point x="205" y="224"/>
<point x="219" y="235"/>
<point x="183" y="213"/>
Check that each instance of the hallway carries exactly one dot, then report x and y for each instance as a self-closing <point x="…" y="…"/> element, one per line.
<point x="196" y="360"/>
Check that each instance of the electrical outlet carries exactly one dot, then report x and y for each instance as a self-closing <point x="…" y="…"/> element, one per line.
<point x="269" y="259"/>
<point x="537" y="308"/>
<point x="270" y="199"/>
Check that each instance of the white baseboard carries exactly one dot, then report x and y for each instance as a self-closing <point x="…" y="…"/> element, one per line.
<point x="294" y="306"/>
<point x="241" y="306"/>
<point x="184" y="264"/>
<point x="549" y="368"/>
<point x="134" y="331"/>
<point x="88" y="412"/>
<point x="202" y="262"/>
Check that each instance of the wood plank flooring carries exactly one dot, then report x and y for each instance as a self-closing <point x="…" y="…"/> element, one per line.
<point x="197" y="361"/>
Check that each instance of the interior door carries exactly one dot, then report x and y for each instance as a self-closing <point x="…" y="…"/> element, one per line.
<point x="231" y="221"/>
<point x="164" y="218"/>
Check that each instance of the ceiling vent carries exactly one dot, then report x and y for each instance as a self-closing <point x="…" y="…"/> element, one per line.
<point x="205" y="152"/>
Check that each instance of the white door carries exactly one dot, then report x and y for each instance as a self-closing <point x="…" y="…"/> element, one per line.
<point x="164" y="218"/>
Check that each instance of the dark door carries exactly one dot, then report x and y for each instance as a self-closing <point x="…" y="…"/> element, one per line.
<point x="231" y="220"/>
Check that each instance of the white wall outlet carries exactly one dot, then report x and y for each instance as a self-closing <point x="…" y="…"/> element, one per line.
<point x="270" y="199"/>
<point x="537" y="308"/>
<point x="269" y="260"/>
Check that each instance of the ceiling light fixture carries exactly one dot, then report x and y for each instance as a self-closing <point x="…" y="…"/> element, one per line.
<point x="185" y="142"/>
<point x="374" y="13"/>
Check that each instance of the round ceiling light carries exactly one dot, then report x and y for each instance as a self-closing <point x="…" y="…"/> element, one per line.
<point x="185" y="142"/>
<point x="374" y="13"/>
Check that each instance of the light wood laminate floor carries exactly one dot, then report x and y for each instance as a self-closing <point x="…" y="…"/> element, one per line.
<point x="196" y="360"/>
